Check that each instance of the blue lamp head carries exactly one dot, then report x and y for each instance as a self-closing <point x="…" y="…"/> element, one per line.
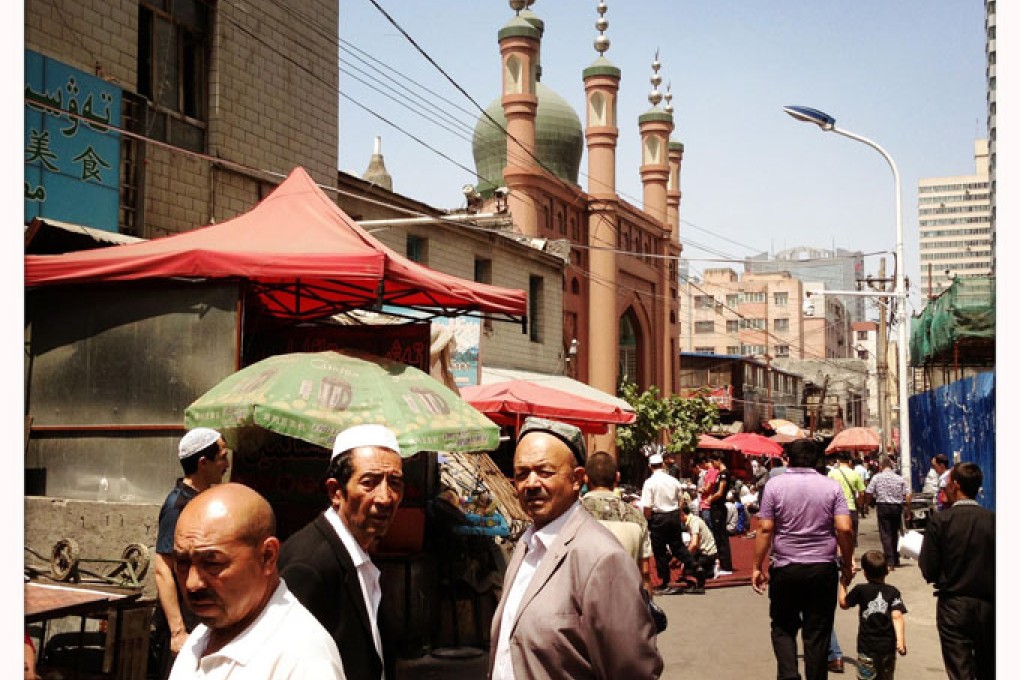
<point x="809" y="115"/>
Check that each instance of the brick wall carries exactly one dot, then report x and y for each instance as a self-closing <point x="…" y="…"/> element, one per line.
<point x="453" y="251"/>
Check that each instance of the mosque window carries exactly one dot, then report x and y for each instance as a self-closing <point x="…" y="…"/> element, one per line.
<point x="512" y="80"/>
<point x="652" y="150"/>
<point x="597" y="112"/>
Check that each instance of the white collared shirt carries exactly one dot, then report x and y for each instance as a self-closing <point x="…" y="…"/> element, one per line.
<point x="537" y="543"/>
<point x="368" y="573"/>
<point x="284" y="642"/>
<point x="661" y="492"/>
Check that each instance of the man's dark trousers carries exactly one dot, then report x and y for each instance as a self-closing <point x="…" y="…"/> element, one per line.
<point x="666" y="529"/>
<point x="890" y="517"/>
<point x="802" y="597"/>
<point x="721" y="536"/>
<point x="966" y="628"/>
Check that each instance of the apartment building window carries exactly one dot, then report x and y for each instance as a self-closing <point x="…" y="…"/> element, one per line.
<point x="752" y="349"/>
<point x="781" y="324"/>
<point x="483" y="274"/>
<point x="780" y="299"/>
<point x="862" y="335"/>
<point x="535" y="285"/>
<point x="732" y="325"/>
<point x="704" y="302"/>
<point x="754" y="324"/>
<point x="705" y="350"/>
<point x="733" y="300"/>
<point x="753" y="296"/>
<point x="704" y="326"/>
<point x="173" y="70"/>
<point x="733" y="349"/>
<point x="782" y="351"/>
<point x="417" y="249"/>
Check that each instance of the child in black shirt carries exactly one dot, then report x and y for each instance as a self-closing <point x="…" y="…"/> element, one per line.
<point x="881" y="632"/>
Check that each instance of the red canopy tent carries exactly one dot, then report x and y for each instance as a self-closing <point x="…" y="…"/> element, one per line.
<point x="509" y="402"/>
<point x="751" y="444"/>
<point x="712" y="444"/>
<point x="300" y="256"/>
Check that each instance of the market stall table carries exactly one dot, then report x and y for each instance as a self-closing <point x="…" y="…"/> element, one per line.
<point x="45" y="602"/>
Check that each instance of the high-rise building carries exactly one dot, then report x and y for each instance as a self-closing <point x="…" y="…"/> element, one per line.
<point x="991" y="86"/>
<point x="838" y="269"/>
<point x="955" y="220"/>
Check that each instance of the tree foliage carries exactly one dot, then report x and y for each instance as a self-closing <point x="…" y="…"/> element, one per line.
<point x="682" y="419"/>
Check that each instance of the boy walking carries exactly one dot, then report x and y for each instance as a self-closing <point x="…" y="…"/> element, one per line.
<point x="881" y="633"/>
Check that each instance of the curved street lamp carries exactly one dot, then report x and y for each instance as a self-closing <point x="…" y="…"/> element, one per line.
<point x="828" y="124"/>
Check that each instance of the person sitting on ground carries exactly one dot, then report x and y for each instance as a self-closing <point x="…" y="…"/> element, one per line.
<point x="882" y="631"/>
<point x="701" y="549"/>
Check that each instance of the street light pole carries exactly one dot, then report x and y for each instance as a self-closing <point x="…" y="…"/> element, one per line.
<point x="828" y="124"/>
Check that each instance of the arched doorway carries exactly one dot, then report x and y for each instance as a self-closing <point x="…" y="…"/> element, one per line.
<point x="630" y="365"/>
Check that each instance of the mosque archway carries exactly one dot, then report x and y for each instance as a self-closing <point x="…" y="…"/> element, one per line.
<point x="630" y="362"/>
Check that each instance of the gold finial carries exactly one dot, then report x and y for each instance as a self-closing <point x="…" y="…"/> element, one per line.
<point x="655" y="96"/>
<point x="601" y="24"/>
<point x="668" y="108"/>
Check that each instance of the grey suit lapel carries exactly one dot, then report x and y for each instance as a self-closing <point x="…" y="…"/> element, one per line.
<point x="552" y="560"/>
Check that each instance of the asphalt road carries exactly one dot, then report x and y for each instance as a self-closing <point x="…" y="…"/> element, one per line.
<point x="725" y="633"/>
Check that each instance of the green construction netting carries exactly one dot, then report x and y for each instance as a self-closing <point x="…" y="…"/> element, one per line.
<point x="964" y="312"/>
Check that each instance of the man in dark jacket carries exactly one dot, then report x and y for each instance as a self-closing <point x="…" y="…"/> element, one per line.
<point x="958" y="557"/>
<point x="326" y="563"/>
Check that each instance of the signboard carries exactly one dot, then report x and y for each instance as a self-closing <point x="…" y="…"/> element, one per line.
<point x="720" y="396"/>
<point x="72" y="160"/>
<point x="406" y="343"/>
<point x="467" y="335"/>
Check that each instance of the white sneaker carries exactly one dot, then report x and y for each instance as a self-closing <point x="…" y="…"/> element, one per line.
<point x="723" y="572"/>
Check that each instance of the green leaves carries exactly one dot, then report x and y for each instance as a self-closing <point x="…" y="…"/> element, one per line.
<point x="681" y="419"/>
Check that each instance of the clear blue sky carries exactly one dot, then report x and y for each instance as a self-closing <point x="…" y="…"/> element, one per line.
<point x="908" y="74"/>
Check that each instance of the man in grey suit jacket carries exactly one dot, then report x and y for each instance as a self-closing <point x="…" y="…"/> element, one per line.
<point x="572" y="603"/>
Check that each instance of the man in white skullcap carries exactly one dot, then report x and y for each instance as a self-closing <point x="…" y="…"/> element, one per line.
<point x="661" y="496"/>
<point x="326" y="564"/>
<point x="204" y="458"/>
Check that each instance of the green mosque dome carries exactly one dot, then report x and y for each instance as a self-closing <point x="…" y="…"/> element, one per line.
<point x="559" y="140"/>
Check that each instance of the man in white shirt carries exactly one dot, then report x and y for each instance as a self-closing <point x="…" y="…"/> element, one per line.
<point x="252" y="627"/>
<point x="572" y="603"/>
<point x="660" y="499"/>
<point x="326" y="563"/>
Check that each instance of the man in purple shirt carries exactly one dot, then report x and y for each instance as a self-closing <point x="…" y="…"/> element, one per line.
<point x="802" y="520"/>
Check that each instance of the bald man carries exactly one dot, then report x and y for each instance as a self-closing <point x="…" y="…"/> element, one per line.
<point x="252" y="627"/>
<point x="573" y="604"/>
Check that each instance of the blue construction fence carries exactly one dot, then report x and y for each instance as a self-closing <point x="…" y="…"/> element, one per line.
<point x="958" y="420"/>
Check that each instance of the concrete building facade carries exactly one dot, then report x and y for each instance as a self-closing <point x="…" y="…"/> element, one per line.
<point x="756" y="315"/>
<point x="838" y="269"/>
<point x="955" y="218"/>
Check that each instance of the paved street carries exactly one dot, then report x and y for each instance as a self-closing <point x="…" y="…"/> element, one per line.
<point x="725" y="633"/>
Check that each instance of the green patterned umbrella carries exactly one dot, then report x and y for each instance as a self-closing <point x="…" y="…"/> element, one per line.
<point x="314" y="396"/>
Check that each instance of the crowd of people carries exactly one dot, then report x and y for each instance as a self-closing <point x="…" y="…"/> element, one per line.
<point x="577" y="596"/>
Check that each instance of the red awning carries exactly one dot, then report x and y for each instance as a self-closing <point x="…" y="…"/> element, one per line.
<point x="508" y="403"/>
<point x="302" y="256"/>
